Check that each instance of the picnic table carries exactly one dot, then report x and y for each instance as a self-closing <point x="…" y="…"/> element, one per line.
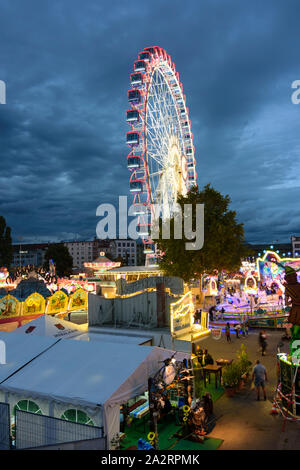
<point x="224" y="362"/>
<point x="212" y="369"/>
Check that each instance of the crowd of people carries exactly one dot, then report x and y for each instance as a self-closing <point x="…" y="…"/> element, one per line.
<point x="242" y="328"/>
<point x="23" y="272"/>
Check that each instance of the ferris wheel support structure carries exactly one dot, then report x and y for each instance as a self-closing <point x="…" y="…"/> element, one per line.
<point x="161" y="159"/>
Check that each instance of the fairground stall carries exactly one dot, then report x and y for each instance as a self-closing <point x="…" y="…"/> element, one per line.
<point x="32" y="298"/>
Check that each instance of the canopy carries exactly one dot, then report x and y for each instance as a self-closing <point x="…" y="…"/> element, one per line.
<point x="46" y="325"/>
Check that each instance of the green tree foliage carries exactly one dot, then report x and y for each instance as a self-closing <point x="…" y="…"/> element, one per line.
<point x="61" y="257"/>
<point x="6" y="249"/>
<point x="224" y="245"/>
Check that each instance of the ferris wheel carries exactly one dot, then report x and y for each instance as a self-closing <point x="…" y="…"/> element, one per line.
<point x="161" y="159"/>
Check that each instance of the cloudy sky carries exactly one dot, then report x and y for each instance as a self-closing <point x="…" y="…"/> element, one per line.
<point x="66" y="64"/>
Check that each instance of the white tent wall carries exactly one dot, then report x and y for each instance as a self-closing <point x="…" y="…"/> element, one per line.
<point x="96" y="414"/>
<point x="50" y="407"/>
<point x="14" y="398"/>
<point x="100" y="310"/>
<point x="138" y="310"/>
<point x="135" y="385"/>
<point x="111" y="423"/>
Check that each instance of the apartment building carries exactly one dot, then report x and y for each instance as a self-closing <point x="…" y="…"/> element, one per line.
<point x="126" y="249"/>
<point x="29" y="254"/>
<point x="82" y="251"/>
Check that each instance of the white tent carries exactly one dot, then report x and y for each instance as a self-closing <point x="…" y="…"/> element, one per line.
<point x="45" y="325"/>
<point x="48" y="326"/>
<point x="19" y="350"/>
<point x="95" y="376"/>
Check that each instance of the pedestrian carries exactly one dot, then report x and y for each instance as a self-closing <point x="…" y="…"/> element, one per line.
<point x="208" y="359"/>
<point x="227" y="332"/>
<point x="222" y="313"/>
<point x="199" y="314"/>
<point x="237" y="329"/>
<point x="211" y="313"/>
<point x="243" y="330"/>
<point x="280" y="301"/>
<point x="259" y="377"/>
<point x="263" y="342"/>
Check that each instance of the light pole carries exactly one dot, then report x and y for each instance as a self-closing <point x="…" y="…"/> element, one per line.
<point x="20" y="239"/>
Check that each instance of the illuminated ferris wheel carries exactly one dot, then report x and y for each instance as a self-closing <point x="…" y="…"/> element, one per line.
<point x="161" y="158"/>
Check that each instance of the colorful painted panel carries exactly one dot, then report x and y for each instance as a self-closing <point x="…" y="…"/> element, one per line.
<point x="271" y="268"/>
<point x="78" y="300"/>
<point x="34" y="304"/>
<point x="9" y="307"/>
<point x="57" y="303"/>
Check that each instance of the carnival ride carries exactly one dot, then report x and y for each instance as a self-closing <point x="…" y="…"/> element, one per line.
<point x="161" y="158"/>
<point x="261" y="293"/>
<point x="287" y="395"/>
<point x="34" y="297"/>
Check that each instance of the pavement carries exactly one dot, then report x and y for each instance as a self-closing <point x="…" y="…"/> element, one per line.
<point x="79" y="317"/>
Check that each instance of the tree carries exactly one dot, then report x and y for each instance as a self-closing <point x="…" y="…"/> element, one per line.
<point x="224" y="245"/>
<point x="61" y="257"/>
<point x="121" y="260"/>
<point x="6" y="249"/>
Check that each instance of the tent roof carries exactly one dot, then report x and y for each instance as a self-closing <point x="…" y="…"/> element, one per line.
<point x="21" y="349"/>
<point x="45" y="325"/>
<point x="29" y="286"/>
<point x="85" y="373"/>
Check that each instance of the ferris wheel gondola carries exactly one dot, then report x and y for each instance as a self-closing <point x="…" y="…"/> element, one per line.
<point x="162" y="157"/>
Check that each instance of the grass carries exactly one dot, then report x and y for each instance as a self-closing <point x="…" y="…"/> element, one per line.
<point x="170" y="425"/>
<point x="200" y="390"/>
<point x="167" y="441"/>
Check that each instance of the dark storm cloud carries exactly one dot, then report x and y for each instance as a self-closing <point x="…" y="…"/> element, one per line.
<point x="62" y="132"/>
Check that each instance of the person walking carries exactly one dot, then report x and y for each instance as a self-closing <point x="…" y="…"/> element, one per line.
<point x="227" y="332"/>
<point x="222" y="313"/>
<point x="211" y="313"/>
<point x="237" y="329"/>
<point x="259" y="376"/>
<point x="263" y="342"/>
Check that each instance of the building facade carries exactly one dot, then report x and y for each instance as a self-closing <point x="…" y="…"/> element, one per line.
<point x="82" y="252"/>
<point x="29" y="254"/>
<point x="295" y="246"/>
<point x="125" y="249"/>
